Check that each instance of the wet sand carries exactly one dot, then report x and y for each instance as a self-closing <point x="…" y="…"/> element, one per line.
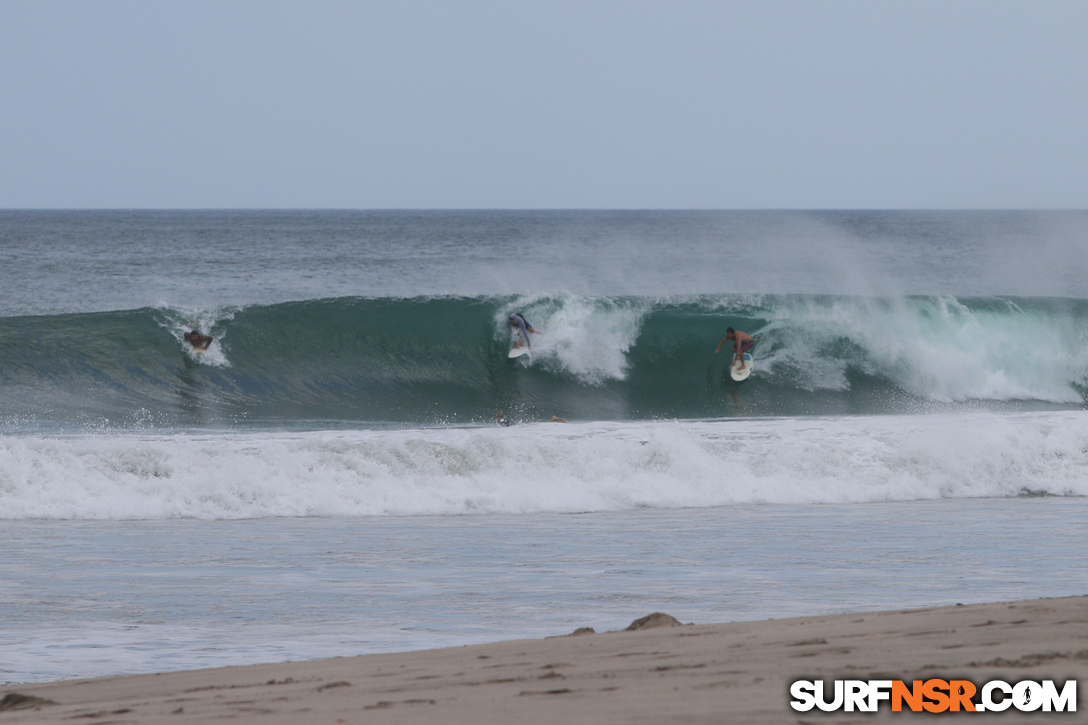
<point x="717" y="673"/>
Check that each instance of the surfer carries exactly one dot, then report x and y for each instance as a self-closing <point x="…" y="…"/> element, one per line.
<point x="742" y="343"/>
<point x="197" y="340"/>
<point x="502" y="419"/>
<point x="517" y="322"/>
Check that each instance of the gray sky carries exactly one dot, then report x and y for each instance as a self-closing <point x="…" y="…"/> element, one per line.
<point x="545" y="104"/>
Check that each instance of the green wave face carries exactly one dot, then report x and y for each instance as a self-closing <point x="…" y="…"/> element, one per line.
<point x="425" y="361"/>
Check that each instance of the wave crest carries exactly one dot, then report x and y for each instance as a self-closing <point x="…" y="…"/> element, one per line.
<point x="443" y="360"/>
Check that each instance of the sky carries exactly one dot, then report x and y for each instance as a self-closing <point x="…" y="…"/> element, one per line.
<point x="534" y="105"/>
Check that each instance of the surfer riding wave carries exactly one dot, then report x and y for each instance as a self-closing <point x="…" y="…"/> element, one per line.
<point x="199" y="341"/>
<point x="742" y="343"/>
<point x="520" y="327"/>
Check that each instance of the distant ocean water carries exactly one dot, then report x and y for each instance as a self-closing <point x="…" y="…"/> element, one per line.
<point x="360" y="358"/>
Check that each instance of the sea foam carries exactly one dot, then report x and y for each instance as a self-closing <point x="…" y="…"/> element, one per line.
<point x="543" y="467"/>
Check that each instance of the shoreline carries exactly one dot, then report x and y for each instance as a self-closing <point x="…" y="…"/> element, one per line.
<point x="712" y="673"/>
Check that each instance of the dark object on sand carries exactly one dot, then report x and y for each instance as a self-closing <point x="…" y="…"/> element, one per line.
<point x="657" y="619"/>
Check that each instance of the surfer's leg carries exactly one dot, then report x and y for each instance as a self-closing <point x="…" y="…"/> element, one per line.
<point x="743" y="349"/>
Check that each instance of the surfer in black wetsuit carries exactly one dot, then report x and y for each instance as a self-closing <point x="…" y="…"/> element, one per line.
<point x="517" y="322"/>
<point x="742" y="343"/>
<point x="197" y="340"/>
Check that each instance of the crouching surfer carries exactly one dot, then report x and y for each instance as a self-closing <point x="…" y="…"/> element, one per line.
<point x="520" y="328"/>
<point x="742" y="343"/>
<point x="198" y="341"/>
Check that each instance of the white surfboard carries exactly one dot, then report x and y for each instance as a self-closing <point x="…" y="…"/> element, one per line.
<point x="519" y="351"/>
<point x="736" y="373"/>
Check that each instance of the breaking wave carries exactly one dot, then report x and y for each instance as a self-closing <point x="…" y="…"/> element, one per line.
<point x="442" y="360"/>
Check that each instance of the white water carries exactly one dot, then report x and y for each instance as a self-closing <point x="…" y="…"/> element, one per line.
<point x="583" y="336"/>
<point x="543" y="467"/>
<point x="937" y="348"/>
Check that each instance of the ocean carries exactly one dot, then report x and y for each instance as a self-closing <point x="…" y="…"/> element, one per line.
<point x="329" y="478"/>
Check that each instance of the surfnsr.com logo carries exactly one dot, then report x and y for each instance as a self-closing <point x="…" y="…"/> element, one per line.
<point x="934" y="696"/>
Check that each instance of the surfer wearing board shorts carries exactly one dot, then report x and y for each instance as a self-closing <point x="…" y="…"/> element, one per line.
<point x="516" y="322"/>
<point x="198" y="341"/>
<point x="742" y="343"/>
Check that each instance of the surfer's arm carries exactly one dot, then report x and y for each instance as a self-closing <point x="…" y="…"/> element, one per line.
<point x="719" y="347"/>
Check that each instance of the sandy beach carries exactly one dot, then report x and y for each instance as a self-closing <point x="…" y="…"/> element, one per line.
<point x="693" y="673"/>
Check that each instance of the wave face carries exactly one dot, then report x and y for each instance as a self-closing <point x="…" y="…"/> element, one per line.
<point x="425" y="361"/>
